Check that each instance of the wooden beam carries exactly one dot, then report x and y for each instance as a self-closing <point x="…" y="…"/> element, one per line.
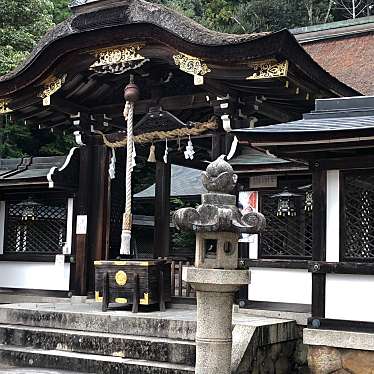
<point x="162" y="210"/>
<point x="271" y="111"/>
<point x="170" y="103"/>
<point x="323" y="267"/>
<point x="65" y="106"/>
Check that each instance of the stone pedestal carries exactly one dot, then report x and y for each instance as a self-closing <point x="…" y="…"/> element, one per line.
<point x="215" y="290"/>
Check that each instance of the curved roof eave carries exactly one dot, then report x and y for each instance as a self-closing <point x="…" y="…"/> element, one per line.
<point x="135" y="13"/>
<point x="152" y="21"/>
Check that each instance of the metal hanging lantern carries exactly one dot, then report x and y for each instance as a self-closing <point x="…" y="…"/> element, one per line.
<point x="29" y="209"/>
<point x="286" y="203"/>
<point x="308" y="204"/>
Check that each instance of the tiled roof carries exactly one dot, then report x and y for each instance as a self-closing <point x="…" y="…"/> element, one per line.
<point x="350" y="59"/>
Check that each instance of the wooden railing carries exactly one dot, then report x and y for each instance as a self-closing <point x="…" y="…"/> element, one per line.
<point x="179" y="288"/>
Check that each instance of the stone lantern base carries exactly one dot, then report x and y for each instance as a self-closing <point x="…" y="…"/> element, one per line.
<point x="215" y="290"/>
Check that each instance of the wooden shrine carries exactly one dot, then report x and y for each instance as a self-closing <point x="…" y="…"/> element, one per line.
<point x="195" y="87"/>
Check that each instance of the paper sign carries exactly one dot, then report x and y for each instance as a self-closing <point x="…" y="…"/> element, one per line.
<point x="248" y="203"/>
<point x="59" y="263"/>
<point x="263" y="181"/>
<point x="81" y="225"/>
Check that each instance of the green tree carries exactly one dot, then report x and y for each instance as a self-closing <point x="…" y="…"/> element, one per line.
<point x="60" y="10"/>
<point x="22" y="24"/>
<point x="274" y="15"/>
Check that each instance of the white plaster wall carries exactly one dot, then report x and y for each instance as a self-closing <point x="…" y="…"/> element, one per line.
<point x="2" y="226"/>
<point x="332" y="216"/>
<point x="35" y="275"/>
<point x="280" y="285"/>
<point x="253" y="247"/>
<point x="349" y="297"/>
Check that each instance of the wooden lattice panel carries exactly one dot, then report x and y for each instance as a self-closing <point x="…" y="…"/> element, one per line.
<point x="285" y="237"/>
<point x="44" y="234"/>
<point x="357" y="217"/>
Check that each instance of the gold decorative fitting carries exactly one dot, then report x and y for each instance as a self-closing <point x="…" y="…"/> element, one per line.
<point x="52" y="86"/>
<point x="120" y="300"/>
<point x="4" y="108"/>
<point x="192" y="65"/>
<point x="120" y="263"/>
<point x="268" y="69"/>
<point x="145" y="300"/>
<point x="118" y="60"/>
<point x="121" y="278"/>
<point x="98" y="298"/>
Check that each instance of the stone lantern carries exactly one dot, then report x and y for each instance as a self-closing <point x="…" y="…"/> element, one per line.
<point x="218" y="224"/>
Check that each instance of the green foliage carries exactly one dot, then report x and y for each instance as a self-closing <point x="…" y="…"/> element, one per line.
<point x="183" y="239"/>
<point x="19" y="140"/>
<point x="22" y="24"/>
<point x="58" y="145"/>
<point x="245" y="16"/>
<point x="12" y="136"/>
<point x="60" y="10"/>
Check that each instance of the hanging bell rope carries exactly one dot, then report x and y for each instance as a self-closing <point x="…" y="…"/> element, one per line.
<point x="150" y="137"/>
<point x="131" y="96"/>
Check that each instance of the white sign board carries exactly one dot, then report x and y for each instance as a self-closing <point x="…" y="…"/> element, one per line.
<point x="263" y="181"/>
<point x="81" y="225"/>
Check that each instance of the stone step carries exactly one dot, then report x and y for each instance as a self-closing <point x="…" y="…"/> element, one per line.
<point x="87" y="363"/>
<point x="126" y="346"/>
<point x="86" y="317"/>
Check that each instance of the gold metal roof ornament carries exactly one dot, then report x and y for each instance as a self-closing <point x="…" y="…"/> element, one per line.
<point x="192" y="65"/>
<point x="266" y="69"/>
<point x="4" y="106"/>
<point x="118" y="60"/>
<point x="52" y="86"/>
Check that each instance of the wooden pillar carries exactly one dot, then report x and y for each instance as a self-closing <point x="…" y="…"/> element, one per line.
<point x="319" y="181"/>
<point x="92" y="212"/>
<point x="82" y="211"/>
<point x="98" y="219"/>
<point x="162" y="210"/>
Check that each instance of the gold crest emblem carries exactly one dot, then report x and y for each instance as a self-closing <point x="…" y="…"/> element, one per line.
<point x="121" y="278"/>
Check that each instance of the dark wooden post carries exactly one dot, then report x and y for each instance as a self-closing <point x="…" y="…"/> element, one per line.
<point x="92" y="213"/>
<point x="319" y="181"/>
<point x="82" y="211"/>
<point x="98" y="228"/>
<point x="162" y="210"/>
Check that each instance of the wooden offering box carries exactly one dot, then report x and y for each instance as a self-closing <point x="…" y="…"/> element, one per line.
<point x="132" y="282"/>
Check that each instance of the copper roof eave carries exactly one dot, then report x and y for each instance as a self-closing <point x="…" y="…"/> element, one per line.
<point x="144" y="21"/>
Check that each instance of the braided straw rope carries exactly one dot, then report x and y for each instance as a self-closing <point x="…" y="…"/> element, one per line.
<point x="161" y="135"/>
<point x="128" y="113"/>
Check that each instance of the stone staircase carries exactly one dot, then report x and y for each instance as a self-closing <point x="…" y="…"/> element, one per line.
<point x="81" y="338"/>
<point x="82" y="342"/>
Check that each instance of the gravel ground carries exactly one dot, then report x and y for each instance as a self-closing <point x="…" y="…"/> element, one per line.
<point x="13" y="370"/>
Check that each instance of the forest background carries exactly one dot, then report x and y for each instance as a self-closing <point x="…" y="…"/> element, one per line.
<point x="24" y="22"/>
